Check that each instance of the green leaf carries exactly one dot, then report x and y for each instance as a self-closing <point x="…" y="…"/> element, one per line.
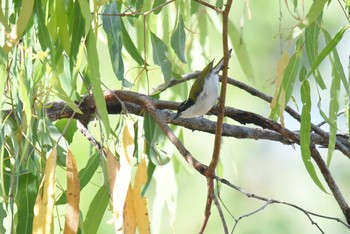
<point x="160" y="58"/>
<point x="130" y="46"/>
<point x="3" y="215"/>
<point x="333" y="110"/>
<point x="178" y="40"/>
<point x="329" y="47"/>
<point x="85" y="175"/>
<point x="315" y="10"/>
<point x="241" y="51"/>
<point x="56" y="84"/>
<point x="25" y="199"/>
<point x="112" y="27"/>
<point x="219" y="4"/>
<point x="312" y="33"/>
<point x="289" y="76"/>
<point x="336" y="64"/>
<point x="157" y="3"/>
<point x="67" y="128"/>
<point x="62" y="23"/>
<point x="96" y="210"/>
<point x="85" y="11"/>
<point x="94" y="70"/>
<point x="76" y="30"/>
<point x="43" y="32"/>
<point x="305" y="129"/>
<point x="25" y="97"/>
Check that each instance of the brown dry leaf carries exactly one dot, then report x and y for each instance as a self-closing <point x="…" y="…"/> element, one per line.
<point x="140" y="203"/>
<point x="73" y="195"/>
<point x="129" y="215"/>
<point x="43" y="208"/>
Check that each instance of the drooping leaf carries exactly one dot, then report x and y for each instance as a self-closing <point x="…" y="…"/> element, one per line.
<point x="67" y="128"/>
<point x="96" y="210"/>
<point x="129" y="45"/>
<point x="315" y="10"/>
<point x="284" y="91"/>
<point x="62" y="24"/>
<point x="160" y="56"/>
<point x="112" y="27"/>
<point x="329" y="47"/>
<point x="156" y="4"/>
<point x="27" y="191"/>
<point x="73" y="199"/>
<point x="241" y="51"/>
<point x="86" y="13"/>
<point x="305" y="128"/>
<point x="312" y="33"/>
<point x="178" y="40"/>
<point x="85" y="176"/>
<point x="22" y="23"/>
<point x="140" y="203"/>
<point x="336" y="63"/>
<point x="3" y="215"/>
<point x="45" y="200"/>
<point x="94" y="70"/>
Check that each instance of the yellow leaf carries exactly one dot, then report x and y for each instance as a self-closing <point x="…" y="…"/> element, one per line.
<point x="43" y="208"/>
<point x="129" y="215"/>
<point x="119" y="179"/>
<point x="140" y="203"/>
<point x="73" y="195"/>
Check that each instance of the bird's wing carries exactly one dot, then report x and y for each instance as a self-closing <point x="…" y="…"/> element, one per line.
<point x="197" y="86"/>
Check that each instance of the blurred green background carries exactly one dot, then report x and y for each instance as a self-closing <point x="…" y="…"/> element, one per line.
<point x="270" y="169"/>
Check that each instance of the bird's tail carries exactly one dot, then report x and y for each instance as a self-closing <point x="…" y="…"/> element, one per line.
<point x="220" y="64"/>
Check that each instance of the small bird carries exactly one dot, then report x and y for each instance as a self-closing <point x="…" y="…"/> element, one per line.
<point x="204" y="92"/>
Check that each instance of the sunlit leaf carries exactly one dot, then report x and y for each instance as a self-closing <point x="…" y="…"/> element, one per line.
<point x="129" y="45"/>
<point x="315" y="10"/>
<point x="178" y="40"/>
<point x="67" y="128"/>
<point x="62" y="24"/>
<point x="94" y="70"/>
<point x="73" y="199"/>
<point x="22" y="22"/>
<point x="25" y="97"/>
<point x="140" y="203"/>
<point x="305" y="128"/>
<point x="96" y="210"/>
<point x="45" y="200"/>
<point x="86" y="13"/>
<point x="85" y="176"/>
<point x="129" y="220"/>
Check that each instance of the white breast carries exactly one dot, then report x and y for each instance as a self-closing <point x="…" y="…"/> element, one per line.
<point x="206" y="100"/>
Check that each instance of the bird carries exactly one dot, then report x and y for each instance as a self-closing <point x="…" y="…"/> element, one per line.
<point x="204" y="92"/>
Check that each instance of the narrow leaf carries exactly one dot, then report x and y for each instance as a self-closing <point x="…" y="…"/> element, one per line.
<point x="45" y="200"/>
<point x="73" y="192"/>
<point x="329" y="47"/>
<point x="94" y="70"/>
<point x="129" y="219"/>
<point x="311" y="47"/>
<point x="178" y="40"/>
<point x="140" y="203"/>
<point x="130" y="46"/>
<point x="85" y="176"/>
<point x="27" y="191"/>
<point x="157" y="3"/>
<point x="315" y="10"/>
<point x="62" y="24"/>
<point x="96" y="210"/>
<point x="112" y="27"/>
<point x="305" y="128"/>
<point x="241" y="51"/>
<point x="160" y="56"/>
